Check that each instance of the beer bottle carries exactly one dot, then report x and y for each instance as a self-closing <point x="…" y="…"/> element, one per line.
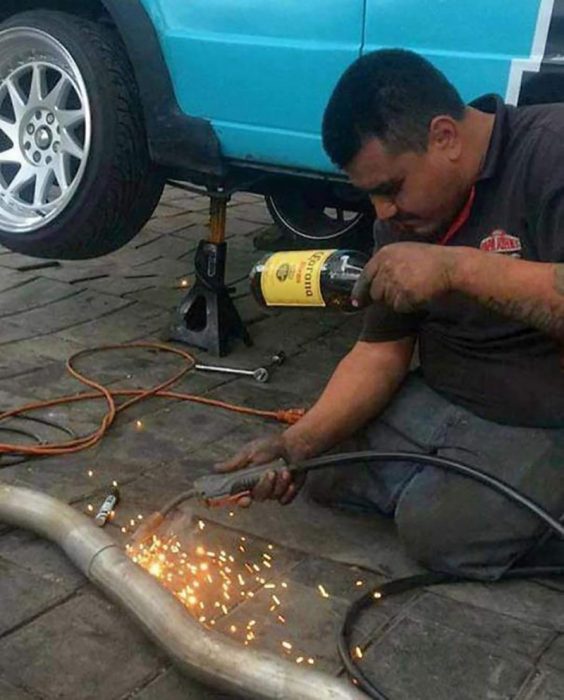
<point x="317" y="278"/>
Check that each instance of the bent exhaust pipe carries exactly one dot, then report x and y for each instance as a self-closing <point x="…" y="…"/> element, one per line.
<point x="203" y="654"/>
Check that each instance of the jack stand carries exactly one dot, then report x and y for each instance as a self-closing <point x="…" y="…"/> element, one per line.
<point x="207" y="318"/>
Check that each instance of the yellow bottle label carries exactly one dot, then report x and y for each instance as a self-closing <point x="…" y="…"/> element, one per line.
<point x="294" y="278"/>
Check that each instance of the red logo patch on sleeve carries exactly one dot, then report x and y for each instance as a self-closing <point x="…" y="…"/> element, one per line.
<point x="500" y="241"/>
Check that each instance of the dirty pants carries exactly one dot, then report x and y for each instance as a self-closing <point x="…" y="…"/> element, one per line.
<point x="445" y="521"/>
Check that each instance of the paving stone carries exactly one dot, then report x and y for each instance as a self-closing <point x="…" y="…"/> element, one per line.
<point x="311" y="624"/>
<point x="10" y="332"/>
<point x="429" y="661"/>
<point x="164" y="246"/>
<point x="121" y="326"/>
<point x="291" y="329"/>
<point x="155" y="487"/>
<point x="120" y="285"/>
<point x="240" y="227"/>
<point x="554" y="656"/>
<point x="34" y="351"/>
<point x="62" y="477"/>
<point x="63" y="314"/>
<point x="521" y="600"/>
<point x="484" y="626"/>
<point x="366" y="541"/>
<point x="255" y="212"/>
<point x="16" y="260"/>
<point x="41" y="558"/>
<point x="249" y="310"/>
<point x="246" y="392"/>
<point x="76" y="271"/>
<point x="165" y="225"/>
<point x="36" y="293"/>
<point x="182" y="426"/>
<point x="45" y="381"/>
<point x="10" y="692"/>
<point x="167" y="269"/>
<point x="192" y="235"/>
<point x="24" y="595"/>
<point x="80" y="649"/>
<point x="10" y="279"/>
<point x="166" y="298"/>
<point x="545" y="686"/>
<point x="171" y="685"/>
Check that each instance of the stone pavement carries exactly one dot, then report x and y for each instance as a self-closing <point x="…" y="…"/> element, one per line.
<point x="59" y="638"/>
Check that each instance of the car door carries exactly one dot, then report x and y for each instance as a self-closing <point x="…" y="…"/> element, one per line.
<point x="260" y="70"/>
<point x="482" y="46"/>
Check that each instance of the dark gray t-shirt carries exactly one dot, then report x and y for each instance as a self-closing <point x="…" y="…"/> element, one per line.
<point x="497" y="368"/>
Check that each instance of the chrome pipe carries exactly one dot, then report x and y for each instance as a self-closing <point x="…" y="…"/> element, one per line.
<point x="204" y="654"/>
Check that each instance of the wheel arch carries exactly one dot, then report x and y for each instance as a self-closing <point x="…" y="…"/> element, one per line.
<point x="177" y="142"/>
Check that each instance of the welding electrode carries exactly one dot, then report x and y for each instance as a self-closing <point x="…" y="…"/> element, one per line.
<point x="107" y="507"/>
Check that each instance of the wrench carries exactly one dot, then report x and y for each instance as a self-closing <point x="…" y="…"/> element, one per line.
<point x="261" y="374"/>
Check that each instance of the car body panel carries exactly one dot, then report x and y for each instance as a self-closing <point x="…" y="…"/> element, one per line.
<point x="262" y="71"/>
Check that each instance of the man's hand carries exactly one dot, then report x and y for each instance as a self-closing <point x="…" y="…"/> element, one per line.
<point x="281" y="487"/>
<point x="406" y="275"/>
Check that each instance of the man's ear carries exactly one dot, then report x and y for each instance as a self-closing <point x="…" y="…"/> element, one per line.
<point x="444" y="135"/>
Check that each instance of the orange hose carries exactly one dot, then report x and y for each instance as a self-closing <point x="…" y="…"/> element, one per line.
<point x="288" y="416"/>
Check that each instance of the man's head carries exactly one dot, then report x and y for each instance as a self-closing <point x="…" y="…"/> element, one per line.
<point x="396" y="126"/>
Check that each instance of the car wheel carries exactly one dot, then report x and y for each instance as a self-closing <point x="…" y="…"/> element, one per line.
<point x="76" y="179"/>
<point x="305" y="219"/>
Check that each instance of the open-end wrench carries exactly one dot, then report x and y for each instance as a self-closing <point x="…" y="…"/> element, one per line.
<point x="261" y="374"/>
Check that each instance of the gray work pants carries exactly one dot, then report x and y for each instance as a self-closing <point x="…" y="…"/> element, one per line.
<point x="446" y="522"/>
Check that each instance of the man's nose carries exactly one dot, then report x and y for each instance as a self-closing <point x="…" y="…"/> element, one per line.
<point x="385" y="208"/>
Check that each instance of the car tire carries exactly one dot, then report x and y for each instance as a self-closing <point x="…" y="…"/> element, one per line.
<point x="306" y="222"/>
<point x="76" y="180"/>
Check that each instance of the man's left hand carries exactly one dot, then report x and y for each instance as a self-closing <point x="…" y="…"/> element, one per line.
<point x="406" y="276"/>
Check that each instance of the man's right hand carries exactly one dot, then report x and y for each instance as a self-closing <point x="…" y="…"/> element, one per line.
<point x="281" y="486"/>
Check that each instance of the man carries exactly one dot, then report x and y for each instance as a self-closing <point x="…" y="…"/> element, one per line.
<point x="469" y="261"/>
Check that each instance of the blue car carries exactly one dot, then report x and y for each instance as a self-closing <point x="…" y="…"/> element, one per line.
<point x="102" y="101"/>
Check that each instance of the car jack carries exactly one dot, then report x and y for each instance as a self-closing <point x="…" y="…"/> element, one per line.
<point x="207" y="317"/>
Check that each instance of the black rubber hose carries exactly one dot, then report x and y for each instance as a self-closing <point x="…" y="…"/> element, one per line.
<point x="342" y="460"/>
<point x="402" y="585"/>
<point x="406" y="584"/>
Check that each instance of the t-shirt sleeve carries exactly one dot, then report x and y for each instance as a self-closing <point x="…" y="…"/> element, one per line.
<point x="382" y="323"/>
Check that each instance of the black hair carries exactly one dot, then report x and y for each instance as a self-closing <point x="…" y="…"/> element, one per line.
<point x="392" y="95"/>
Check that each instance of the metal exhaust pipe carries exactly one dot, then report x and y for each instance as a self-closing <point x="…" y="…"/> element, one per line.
<point x="204" y="654"/>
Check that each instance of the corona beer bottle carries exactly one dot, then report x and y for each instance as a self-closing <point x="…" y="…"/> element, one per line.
<point x="316" y="278"/>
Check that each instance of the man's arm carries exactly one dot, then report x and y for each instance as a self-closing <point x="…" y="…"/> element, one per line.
<point x="360" y="388"/>
<point x="407" y="275"/>
<point x="526" y="291"/>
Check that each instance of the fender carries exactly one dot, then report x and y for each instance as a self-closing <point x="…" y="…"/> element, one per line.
<point x="177" y="141"/>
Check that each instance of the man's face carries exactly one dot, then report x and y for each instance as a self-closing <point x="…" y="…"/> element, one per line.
<point x="417" y="193"/>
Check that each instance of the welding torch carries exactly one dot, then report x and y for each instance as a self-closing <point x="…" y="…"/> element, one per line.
<point x="227" y="488"/>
